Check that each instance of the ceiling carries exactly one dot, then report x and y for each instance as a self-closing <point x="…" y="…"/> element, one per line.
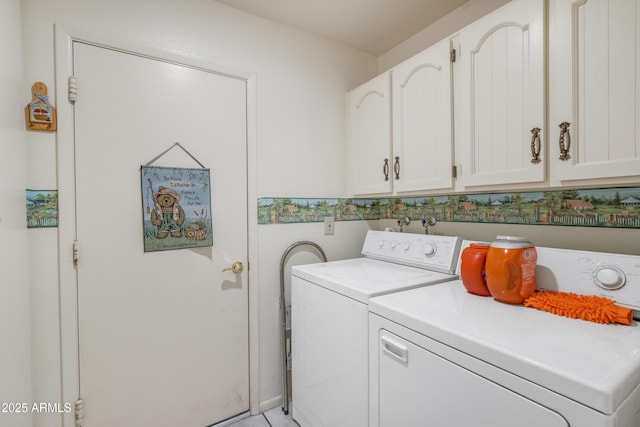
<point x="371" y="26"/>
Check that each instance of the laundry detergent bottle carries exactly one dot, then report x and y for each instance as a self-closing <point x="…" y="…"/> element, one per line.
<point x="511" y="269"/>
<point x="472" y="269"/>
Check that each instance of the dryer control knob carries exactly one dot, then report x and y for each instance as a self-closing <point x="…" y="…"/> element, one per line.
<point x="609" y="277"/>
<point x="407" y="245"/>
<point x="429" y="250"/>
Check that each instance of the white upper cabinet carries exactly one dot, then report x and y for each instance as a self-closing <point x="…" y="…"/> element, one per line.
<point x="412" y="103"/>
<point x="595" y="90"/>
<point x="369" y="149"/>
<point x="421" y="117"/>
<point x="500" y="97"/>
<point x="401" y="138"/>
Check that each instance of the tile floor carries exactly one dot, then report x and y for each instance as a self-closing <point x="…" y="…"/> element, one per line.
<point x="272" y="418"/>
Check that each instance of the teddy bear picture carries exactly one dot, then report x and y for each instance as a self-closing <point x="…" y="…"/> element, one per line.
<point x="176" y="208"/>
<point x="167" y="214"/>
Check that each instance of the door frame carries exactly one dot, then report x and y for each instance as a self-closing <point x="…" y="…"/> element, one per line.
<point x="67" y="279"/>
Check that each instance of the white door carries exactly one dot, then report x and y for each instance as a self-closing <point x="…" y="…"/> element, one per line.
<point x="163" y="336"/>
<point x="421" y="115"/>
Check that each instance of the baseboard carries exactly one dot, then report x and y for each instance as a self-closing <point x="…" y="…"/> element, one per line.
<point x="271" y="403"/>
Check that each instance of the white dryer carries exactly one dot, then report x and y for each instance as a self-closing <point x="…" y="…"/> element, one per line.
<point x="329" y="316"/>
<point x="441" y="356"/>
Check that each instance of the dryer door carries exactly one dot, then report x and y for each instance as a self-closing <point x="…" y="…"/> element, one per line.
<point x="418" y="388"/>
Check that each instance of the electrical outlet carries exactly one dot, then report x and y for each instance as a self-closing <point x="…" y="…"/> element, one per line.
<point x="329" y="224"/>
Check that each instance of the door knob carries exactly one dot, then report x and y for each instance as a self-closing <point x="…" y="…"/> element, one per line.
<point x="236" y="267"/>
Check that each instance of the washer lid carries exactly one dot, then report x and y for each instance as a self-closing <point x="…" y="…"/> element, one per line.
<point x="363" y="278"/>
<point x="597" y="365"/>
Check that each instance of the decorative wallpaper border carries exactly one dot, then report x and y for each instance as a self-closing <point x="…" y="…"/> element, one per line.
<point x="605" y="207"/>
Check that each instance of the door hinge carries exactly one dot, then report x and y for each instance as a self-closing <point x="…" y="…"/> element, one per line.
<point x="453" y="55"/>
<point x="79" y="412"/>
<point x="73" y="89"/>
<point x="75" y="253"/>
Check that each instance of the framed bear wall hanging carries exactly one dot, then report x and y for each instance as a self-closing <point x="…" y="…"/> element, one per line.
<point x="176" y="205"/>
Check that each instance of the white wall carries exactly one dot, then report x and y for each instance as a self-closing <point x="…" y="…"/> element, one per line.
<point x="15" y="358"/>
<point x="301" y="129"/>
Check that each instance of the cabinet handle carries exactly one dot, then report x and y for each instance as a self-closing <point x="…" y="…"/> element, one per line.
<point x="535" y="145"/>
<point x="565" y="135"/>
<point x="385" y="169"/>
<point x="396" y="167"/>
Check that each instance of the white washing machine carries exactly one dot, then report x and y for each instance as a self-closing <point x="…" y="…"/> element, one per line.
<point x="329" y="316"/>
<point x="441" y="356"/>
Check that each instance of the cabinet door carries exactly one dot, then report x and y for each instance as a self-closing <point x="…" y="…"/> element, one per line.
<point x="369" y="137"/>
<point x="422" y="140"/>
<point x="595" y="86"/>
<point x="500" y="97"/>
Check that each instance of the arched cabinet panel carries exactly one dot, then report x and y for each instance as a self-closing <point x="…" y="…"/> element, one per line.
<point x="500" y="96"/>
<point x="594" y="82"/>
<point x="422" y="120"/>
<point x="369" y="137"/>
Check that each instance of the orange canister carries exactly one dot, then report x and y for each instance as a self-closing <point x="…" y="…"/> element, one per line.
<point x="511" y="269"/>
<point x="472" y="269"/>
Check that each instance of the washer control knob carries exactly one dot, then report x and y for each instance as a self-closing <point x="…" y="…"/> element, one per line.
<point x="394" y="244"/>
<point x="429" y="249"/>
<point x="609" y="277"/>
<point x="381" y="243"/>
<point x="407" y="245"/>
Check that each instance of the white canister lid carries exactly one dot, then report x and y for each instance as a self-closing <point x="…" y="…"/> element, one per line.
<point x="511" y="242"/>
